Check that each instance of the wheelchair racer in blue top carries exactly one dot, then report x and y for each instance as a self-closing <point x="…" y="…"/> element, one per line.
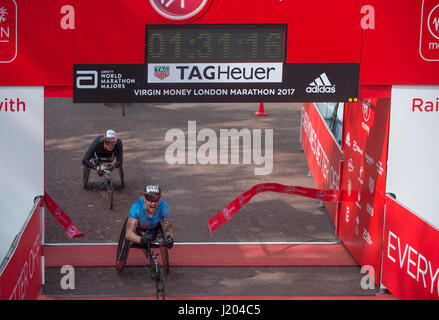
<point x="147" y="215"/>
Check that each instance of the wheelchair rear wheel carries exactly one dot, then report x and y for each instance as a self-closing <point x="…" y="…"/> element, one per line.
<point x="122" y="181"/>
<point x="160" y="285"/>
<point x="123" y="248"/>
<point x="85" y="176"/>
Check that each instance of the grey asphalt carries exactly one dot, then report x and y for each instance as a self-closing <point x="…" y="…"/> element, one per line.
<point x="199" y="282"/>
<point x="195" y="192"/>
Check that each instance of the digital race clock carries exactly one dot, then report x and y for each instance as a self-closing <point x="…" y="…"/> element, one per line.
<point x="215" y="43"/>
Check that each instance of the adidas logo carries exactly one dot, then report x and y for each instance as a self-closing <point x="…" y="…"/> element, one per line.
<point x="321" y="85"/>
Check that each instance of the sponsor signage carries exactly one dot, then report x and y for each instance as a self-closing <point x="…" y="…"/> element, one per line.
<point x="321" y="85"/>
<point x="363" y="178"/>
<point x="180" y="10"/>
<point x="8" y="31"/>
<point x="215" y="63"/>
<point x="215" y="73"/>
<point x="429" y="31"/>
<point x="215" y="82"/>
<point x="410" y="255"/>
<point x="33" y="64"/>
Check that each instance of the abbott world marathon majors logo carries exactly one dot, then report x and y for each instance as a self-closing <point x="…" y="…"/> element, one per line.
<point x="321" y="84"/>
<point x="8" y="31"/>
<point x="105" y="79"/>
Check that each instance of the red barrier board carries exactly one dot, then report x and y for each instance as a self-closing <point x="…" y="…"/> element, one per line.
<point x="410" y="255"/>
<point x="322" y="153"/>
<point x="22" y="277"/>
<point x="363" y="178"/>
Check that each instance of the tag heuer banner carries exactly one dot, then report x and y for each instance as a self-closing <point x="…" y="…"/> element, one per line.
<point x="215" y="82"/>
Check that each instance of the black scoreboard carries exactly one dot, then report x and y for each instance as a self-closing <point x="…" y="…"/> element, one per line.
<point x="215" y="43"/>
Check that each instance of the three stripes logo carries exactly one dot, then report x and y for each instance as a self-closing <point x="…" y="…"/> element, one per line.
<point x="321" y="85"/>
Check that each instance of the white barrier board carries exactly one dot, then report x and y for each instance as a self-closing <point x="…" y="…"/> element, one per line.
<point x="21" y="158"/>
<point x="413" y="157"/>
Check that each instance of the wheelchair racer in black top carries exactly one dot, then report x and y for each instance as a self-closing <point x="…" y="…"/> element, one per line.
<point x="103" y="151"/>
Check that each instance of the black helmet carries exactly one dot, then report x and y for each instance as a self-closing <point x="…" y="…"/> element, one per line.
<point x="152" y="192"/>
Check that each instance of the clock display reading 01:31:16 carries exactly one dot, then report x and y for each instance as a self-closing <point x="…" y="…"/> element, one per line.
<point x="215" y="44"/>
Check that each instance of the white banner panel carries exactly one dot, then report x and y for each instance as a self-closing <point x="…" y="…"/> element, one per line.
<point x="21" y="158"/>
<point x="413" y="157"/>
<point x="215" y="72"/>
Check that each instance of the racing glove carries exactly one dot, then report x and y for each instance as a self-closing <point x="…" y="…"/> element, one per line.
<point x="145" y="239"/>
<point x="169" y="242"/>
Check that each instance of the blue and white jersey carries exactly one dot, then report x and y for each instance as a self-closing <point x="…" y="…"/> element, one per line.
<point x="138" y="212"/>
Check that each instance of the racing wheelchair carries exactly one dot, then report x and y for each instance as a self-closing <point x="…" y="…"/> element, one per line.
<point x="107" y="178"/>
<point x="158" y="263"/>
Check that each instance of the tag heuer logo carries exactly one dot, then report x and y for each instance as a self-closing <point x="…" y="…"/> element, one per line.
<point x="161" y="72"/>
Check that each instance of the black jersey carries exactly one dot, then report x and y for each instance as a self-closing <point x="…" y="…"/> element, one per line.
<point x="97" y="149"/>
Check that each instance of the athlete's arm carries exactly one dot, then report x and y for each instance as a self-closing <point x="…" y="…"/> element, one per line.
<point x="89" y="155"/>
<point x="168" y="228"/>
<point x="119" y="154"/>
<point x="130" y="234"/>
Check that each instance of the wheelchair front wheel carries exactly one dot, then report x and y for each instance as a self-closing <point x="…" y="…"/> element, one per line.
<point x="160" y="284"/>
<point x="121" y="176"/>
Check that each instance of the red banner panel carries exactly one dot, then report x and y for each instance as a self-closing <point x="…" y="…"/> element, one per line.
<point x="365" y="137"/>
<point x="403" y="47"/>
<point x="8" y="31"/>
<point x="39" y="46"/>
<point x="22" y="277"/>
<point x="43" y="49"/>
<point x="429" y="38"/>
<point x="322" y="153"/>
<point x="410" y="255"/>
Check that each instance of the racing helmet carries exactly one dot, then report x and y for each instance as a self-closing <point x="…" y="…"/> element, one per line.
<point x="152" y="193"/>
<point x="110" y="137"/>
